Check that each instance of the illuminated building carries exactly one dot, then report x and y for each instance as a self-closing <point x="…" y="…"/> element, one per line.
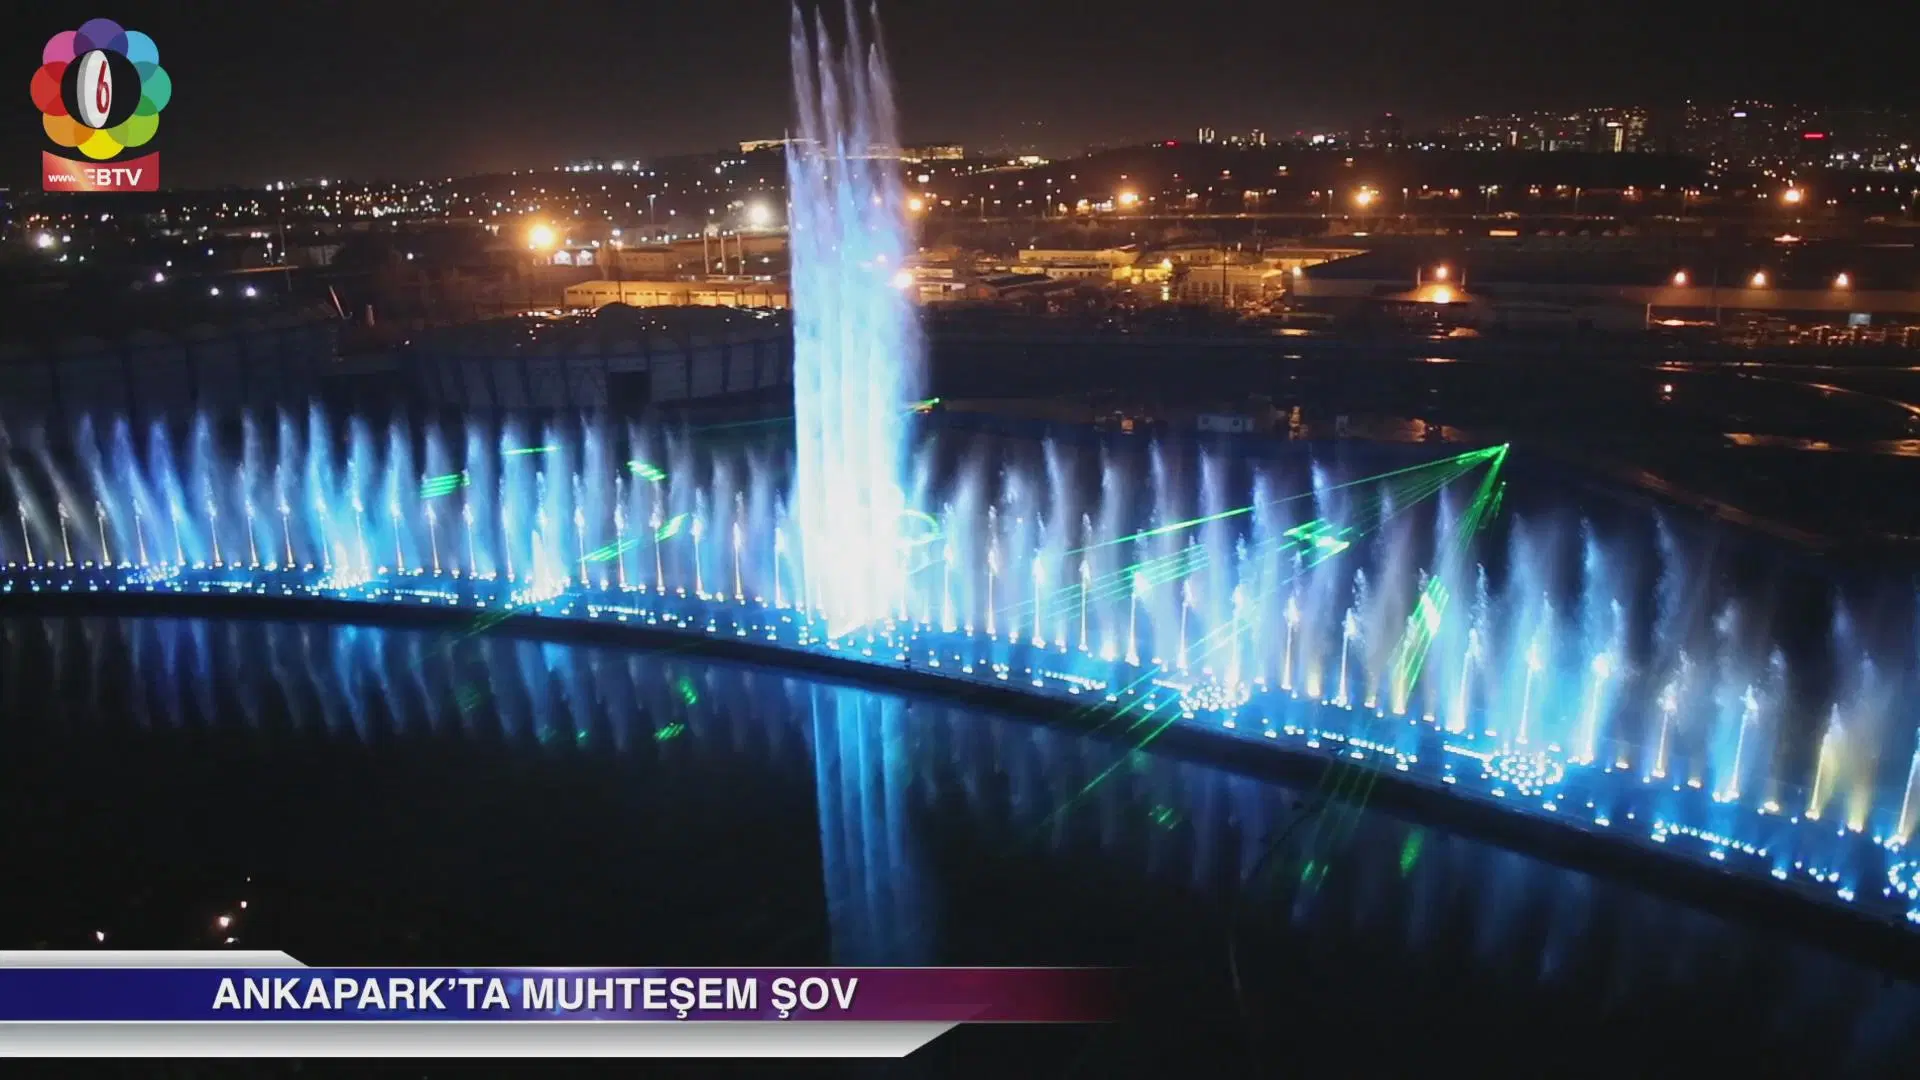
<point x="676" y="292"/>
<point x="933" y="152"/>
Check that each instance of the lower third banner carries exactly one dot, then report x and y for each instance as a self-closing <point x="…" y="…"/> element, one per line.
<point x="268" y="1004"/>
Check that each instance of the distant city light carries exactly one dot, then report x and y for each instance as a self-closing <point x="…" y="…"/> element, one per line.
<point x="1128" y="198"/>
<point x="1759" y="279"/>
<point x="214" y="291"/>
<point x="1680" y="277"/>
<point x="1363" y="198"/>
<point x="1792" y="196"/>
<point x="1842" y="281"/>
<point x="158" y="277"/>
<point x="1442" y="295"/>
<point x="250" y="291"/>
<point x="540" y="237"/>
<point x="759" y="215"/>
<point x="916" y="204"/>
<point x="1439" y="273"/>
<point x="903" y="279"/>
<point x="43" y="241"/>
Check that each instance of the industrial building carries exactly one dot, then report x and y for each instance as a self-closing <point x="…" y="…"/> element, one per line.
<point x="738" y="292"/>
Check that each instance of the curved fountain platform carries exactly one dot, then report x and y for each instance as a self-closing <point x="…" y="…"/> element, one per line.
<point x="1753" y="862"/>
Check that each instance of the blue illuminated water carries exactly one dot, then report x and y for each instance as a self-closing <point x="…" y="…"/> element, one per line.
<point x="1548" y="679"/>
<point x="857" y="355"/>
<point x="375" y="795"/>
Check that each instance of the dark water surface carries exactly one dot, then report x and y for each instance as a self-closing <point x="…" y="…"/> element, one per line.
<point x="386" y="797"/>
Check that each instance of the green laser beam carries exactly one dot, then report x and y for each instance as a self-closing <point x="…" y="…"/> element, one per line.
<point x="1355" y="789"/>
<point x="613" y="551"/>
<point x="434" y="487"/>
<point x="1239" y="511"/>
<point x="1328" y="539"/>
<point x="1320" y="555"/>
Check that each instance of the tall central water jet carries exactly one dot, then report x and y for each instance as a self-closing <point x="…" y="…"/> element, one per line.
<point x="858" y="358"/>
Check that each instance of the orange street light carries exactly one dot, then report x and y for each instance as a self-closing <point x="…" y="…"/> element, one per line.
<point x="1792" y="196"/>
<point x="1680" y="278"/>
<point x="1842" y="281"/>
<point x="1759" y="279"/>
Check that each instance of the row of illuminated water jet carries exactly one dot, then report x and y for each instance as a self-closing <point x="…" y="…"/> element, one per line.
<point x="1071" y="607"/>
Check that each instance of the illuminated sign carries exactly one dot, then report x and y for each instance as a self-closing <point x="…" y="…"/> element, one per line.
<point x="100" y="90"/>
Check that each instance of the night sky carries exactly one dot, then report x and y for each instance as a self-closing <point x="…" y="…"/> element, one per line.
<point x="288" y="89"/>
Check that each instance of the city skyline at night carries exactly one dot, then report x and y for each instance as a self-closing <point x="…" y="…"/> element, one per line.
<point x="434" y="93"/>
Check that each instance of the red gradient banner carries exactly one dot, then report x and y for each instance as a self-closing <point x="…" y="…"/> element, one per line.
<point x="133" y="174"/>
<point x="544" y="995"/>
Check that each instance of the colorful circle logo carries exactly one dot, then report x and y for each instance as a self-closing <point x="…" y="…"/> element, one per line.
<point x="100" y="89"/>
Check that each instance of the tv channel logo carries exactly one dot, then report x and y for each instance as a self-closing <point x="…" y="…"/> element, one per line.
<point x="100" y="90"/>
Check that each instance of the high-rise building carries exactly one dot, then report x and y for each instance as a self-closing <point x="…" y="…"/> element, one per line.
<point x="1385" y="132"/>
<point x="1741" y="132"/>
<point x="1617" y="131"/>
<point x="1206" y="134"/>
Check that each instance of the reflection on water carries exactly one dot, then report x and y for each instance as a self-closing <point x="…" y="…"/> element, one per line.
<point x="1882" y="447"/>
<point x="386" y="796"/>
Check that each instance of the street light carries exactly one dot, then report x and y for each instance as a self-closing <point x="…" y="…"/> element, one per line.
<point x="1128" y="198"/>
<point x="540" y="237"/>
<point x="759" y="215"/>
<point x="1792" y="196"/>
<point x="1363" y="198"/>
<point x="1842" y="281"/>
<point x="1680" y="278"/>
<point x="1759" y="279"/>
<point x="1440" y="273"/>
